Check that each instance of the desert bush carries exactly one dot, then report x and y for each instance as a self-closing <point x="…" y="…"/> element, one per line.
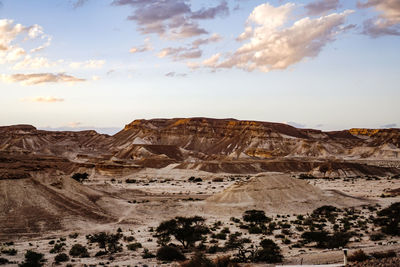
<point x="110" y="242"/>
<point x="58" y="247"/>
<point x="225" y="261"/>
<point x="73" y="236"/>
<point x="33" y="259"/>
<point x="168" y="253"/>
<point x="256" y="217"/>
<point x="62" y="257"/>
<point x="389" y="219"/>
<point x="147" y="254"/>
<point x="78" y="250"/>
<point x="3" y="261"/>
<point x="270" y="252"/>
<point x="100" y="253"/>
<point x="186" y="230"/>
<point x="10" y="251"/>
<point x="376" y="236"/>
<point x="134" y="246"/>
<point x="358" y="255"/>
<point x="383" y="255"/>
<point x="130" y="181"/>
<point x="218" y="179"/>
<point x="198" y="260"/>
<point x="80" y="177"/>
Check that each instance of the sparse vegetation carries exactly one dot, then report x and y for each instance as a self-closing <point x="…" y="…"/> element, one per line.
<point x="78" y="250"/>
<point x="168" y="253"/>
<point x="80" y="177"/>
<point x="33" y="259"/>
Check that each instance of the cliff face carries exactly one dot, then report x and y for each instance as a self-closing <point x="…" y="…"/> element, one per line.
<point x="201" y="143"/>
<point x="234" y="139"/>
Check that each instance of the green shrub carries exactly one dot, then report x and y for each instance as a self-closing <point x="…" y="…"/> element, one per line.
<point x="10" y="251"/>
<point x="78" y="250"/>
<point x="168" y="253"/>
<point x="270" y="252"/>
<point x="33" y="259"/>
<point x="80" y="177"/>
<point x="3" y="261"/>
<point x="62" y="257"/>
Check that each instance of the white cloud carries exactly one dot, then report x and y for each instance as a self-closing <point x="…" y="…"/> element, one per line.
<point x="274" y="44"/>
<point x="30" y="62"/>
<point x="143" y="48"/>
<point x="39" y="78"/>
<point x="47" y="99"/>
<point x="9" y="33"/>
<point x="88" y="64"/>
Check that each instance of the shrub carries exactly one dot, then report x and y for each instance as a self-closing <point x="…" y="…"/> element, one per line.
<point x="382" y="255"/>
<point x="376" y="236"/>
<point x="198" y="260"/>
<point x="218" y="180"/>
<point x="359" y="256"/>
<point x="134" y="246"/>
<point x="10" y="251"/>
<point x="100" y="253"/>
<point x="3" y="261"/>
<point x="62" y="257"/>
<point x="130" y="181"/>
<point x="147" y="254"/>
<point x="78" y="250"/>
<point x="270" y="252"/>
<point x="80" y="177"/>
<point x="255" y="216"/>
<point x="225" y="261"/>
<point x="389" y="219"/>
<point x="187" y="230"/>
<point x="168" y="253"/>
<point x="57" y="248"/>
<point x="73" y="236"/>
<point x="33" y="259"/>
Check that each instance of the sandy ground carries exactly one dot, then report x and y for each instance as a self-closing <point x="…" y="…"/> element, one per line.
<point x="160" y="195"/>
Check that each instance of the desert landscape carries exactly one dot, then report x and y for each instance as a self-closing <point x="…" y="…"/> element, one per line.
<point x="89" y="199"/>
<point x="199" y="133"/>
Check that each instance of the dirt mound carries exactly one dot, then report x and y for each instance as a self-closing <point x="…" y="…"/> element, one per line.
<point x="277" y="193"/>
<point x="31" y="206"/>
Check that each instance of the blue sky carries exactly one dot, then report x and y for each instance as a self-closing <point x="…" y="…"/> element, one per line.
<point x="325" y="64"/>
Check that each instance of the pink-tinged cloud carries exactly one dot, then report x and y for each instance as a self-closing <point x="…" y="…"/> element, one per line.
<point x="39" y="78"/>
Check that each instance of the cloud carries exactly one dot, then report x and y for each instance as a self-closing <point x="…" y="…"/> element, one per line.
<point x="88" y="64"/>
<point x="39" y="78"/>
<point x="174" y="74"/>
<point x="212" y="39"/>
<point x="10" y="32"/>
<point x="172" y="19"/>
<point x="30" y="62"/>
<point x="274" y="44"/>
<point x="79" y="3"/>
<point x="47" y="99"/>
<point x="190" y="52"/>
<point x="321" y="7"/>
<point x="391" y="125"/>
<point x="144" y="48"/>
<point x="387" y="23"/>
<point x="210" y="13"/>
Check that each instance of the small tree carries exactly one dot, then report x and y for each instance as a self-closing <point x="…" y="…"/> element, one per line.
<point x="33" y="259"/>
<point x="270" y="252"/>
<point x="389" y="219"/>
<point x="256" y="217"/>
<point x="186" y="230"/>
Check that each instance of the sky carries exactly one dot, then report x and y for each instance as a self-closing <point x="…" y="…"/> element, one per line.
<point x="100" y="64"/>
